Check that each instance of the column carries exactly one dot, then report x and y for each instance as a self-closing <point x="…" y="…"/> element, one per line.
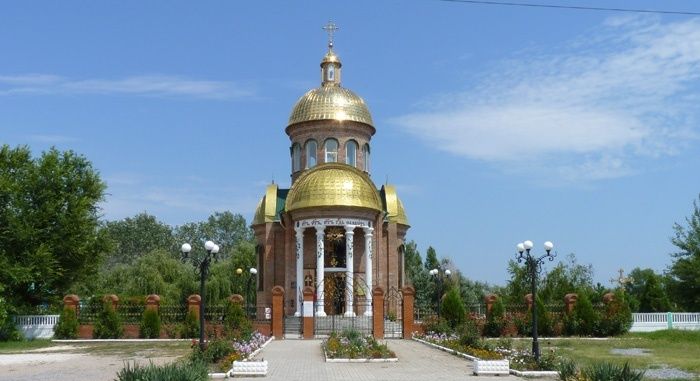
<point x="349" y="270"/>
<point x="320" y="249"/>
<point x="368" y="268"/>
<point x="300" y="270"/>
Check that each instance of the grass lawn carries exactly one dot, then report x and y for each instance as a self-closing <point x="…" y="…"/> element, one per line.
<point x="146" y="349"/>
<point x="674" y="348"/>
<point x="23" y="346"/>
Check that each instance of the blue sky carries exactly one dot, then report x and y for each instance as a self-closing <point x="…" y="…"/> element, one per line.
<point x="497" y="124"/>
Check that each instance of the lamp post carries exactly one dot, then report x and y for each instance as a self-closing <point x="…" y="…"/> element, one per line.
<point x="440" y="280"/>
<point x="202" y="266"/>
<point x="251" y="311"/>
<point x="533" y="263"/>
<point x="252" y="272"/>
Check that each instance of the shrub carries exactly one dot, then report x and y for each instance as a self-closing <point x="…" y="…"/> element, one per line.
<point x="190" y="328"/>
<point x="67" y="326"/>
<point x="150" y="324"/>
<point x="496" y="320"/>
<point x="180" y="371"/>
<point x="453" y="308"/>
<point x="583" y="320"/>
<point x="236" y="323"/>
<point x="107" y="325"/>
<point x="434" y="324"/>
<point x="8" y="329"/>
<point x="469" y="334"/>
<point x="544" y="319"/>
<point x="617" y="317"/>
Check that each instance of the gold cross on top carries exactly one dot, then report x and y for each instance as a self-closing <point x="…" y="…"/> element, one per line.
<point x="330" y="28"/>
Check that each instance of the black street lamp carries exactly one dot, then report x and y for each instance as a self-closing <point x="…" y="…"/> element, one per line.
<point x="249" y="305"/>
<point x="440" y="280"/>
<point x="202" y="266"/>
<point x="533" y="264"/>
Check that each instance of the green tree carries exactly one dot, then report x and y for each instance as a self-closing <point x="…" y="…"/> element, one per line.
<point x="49" y="218"/>
<point x="431" y="260"/>
<point x="566" y="277"/>
<point x="224" y="228"/>
<point x="684" y="272"/>
<point x="134" y="237"/>
<point x="418" y="276"/>
<point x="453" y="308"/>
<point x="496" y="319"/>
<point x="519" y="283"/>
<point x="647" y="291"/>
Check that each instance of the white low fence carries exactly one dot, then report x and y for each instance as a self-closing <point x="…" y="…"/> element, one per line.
<point x="657" y="321"/>
<point x="36" y="326"/>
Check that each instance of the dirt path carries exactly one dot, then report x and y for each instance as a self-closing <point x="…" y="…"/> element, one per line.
<point x="69" y="363"/>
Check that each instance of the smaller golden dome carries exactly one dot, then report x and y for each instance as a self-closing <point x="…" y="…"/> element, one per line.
<point x="333" y="184"/>
<point x="267" y="207"/>
<point x="395" y="211"/>
<point x="330" y="102"/>
<point x="331" y="57"/>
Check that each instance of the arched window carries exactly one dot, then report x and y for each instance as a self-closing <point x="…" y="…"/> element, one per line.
<point x="365" y="155"/>
<point x="310" y="153"/>
<point x="351" y="153"/>
<point x="296" y="157"/>
<point x="331" y="150"/>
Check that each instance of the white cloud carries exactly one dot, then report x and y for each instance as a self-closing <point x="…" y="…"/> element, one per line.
<point x="154" y="85"/>
<point x="587" y="111"/>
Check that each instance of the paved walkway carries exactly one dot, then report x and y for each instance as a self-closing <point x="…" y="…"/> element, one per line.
<point x="302" y="360"/>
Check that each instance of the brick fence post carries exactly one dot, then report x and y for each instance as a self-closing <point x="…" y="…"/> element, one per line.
<point x="278" y="312"/>
<point x="409" y="294"/>
<point x="152" y="302"/>
<point x="308" y="311"/>
<point x="73" y="302"/>
<point x="490" y="300"/>
<point x="570" y="302"/>
<point x="113" y="299"/>
<point x="609" y="297"/>
<point x="236" y="299"/>
<point x="193" y="302"/>
<point x="378" y="312"/>
<point x="528" y="301"/>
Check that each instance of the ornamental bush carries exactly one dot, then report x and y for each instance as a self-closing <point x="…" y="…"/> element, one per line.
<point x="453" y="308"/>
<point x="583" y="320"/>
<point x="236" y="323"/>
<point x="616" y="318"/>
<point x="108" y="325"/>
<point x="67" y="326"/>
<point x="496" y="320"/>
<point x="190" y="328"/>
<point x="150" y="324"/>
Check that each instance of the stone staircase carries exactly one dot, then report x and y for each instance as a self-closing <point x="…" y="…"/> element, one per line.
<point x="292" y="327"/>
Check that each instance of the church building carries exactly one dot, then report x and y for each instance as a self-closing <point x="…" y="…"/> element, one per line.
<point x="333" y="230"/>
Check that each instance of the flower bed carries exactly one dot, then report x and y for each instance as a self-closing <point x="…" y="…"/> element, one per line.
<point x="351" y="345"/>
<point x="452" y="341"/>
<point x="521" y="362"/>
<point x="222" y="352"/>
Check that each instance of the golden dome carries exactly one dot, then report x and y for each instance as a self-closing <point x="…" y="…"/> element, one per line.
<point x="333" y="184"/>
<point x="330" y="102"/>
<point x="395" y="211"/>
<point x="331" y="57"/>
<point x="267" y="207"/>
